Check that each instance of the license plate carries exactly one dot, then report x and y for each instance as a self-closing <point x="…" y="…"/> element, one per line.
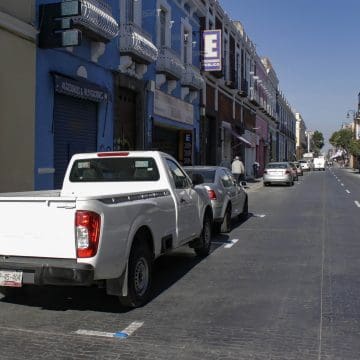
<point x="11" y="278"/>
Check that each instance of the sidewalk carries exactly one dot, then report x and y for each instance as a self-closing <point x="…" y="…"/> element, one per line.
<point x="253" y="184"/>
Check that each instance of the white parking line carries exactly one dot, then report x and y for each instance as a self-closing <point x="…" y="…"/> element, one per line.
<point x="348" y="191"/>
<point x="232" y="243"/>
<point x="120" y="334"/>
<point x="357" y="203"/>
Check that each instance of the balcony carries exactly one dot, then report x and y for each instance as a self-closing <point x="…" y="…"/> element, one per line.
<point x="133" y="41"/>
<point x="253" y="97"/>
<point x="169" y="63"/>
<point x="192" y="78"/>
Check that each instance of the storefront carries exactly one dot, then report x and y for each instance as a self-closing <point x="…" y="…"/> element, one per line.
<point x="75" y="123"/>
<point x="173" y="129"/>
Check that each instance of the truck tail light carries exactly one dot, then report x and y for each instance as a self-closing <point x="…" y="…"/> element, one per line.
<point x="87" y="227"/>
<point x="212" y="194"/>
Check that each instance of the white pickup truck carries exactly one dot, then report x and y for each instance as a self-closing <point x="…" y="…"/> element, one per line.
<point x="116" y="213"/>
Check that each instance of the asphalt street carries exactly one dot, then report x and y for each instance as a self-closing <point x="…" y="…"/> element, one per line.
<point x="284" y="284"/>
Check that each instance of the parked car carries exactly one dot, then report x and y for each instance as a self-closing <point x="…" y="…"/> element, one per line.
<point x="299" y="169"/>
<point x="305" y="165"/>
<point x="278" y="173"/>
<point x="294" y="171"/>
<point x="115" y="214"/>
<point x="228" y="199"/>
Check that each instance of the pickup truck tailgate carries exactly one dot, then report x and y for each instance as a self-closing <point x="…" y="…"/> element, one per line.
<point x="37" y="227"/>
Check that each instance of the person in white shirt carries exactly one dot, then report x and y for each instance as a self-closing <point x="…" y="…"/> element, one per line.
<point x="238" y="169"/>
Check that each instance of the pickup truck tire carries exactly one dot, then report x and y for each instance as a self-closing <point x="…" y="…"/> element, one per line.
<point x="226" y="224"/>
<point x="205" y="238"/>
<point x="139" y="276"/>
<point x="12" y="292"/>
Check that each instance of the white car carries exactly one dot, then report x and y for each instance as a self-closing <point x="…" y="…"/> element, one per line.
<point x="305" y="165"/>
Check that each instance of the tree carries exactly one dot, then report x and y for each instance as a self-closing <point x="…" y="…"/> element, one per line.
<point x="354" y="147"/>
<point x="317" y="142"/>
<point x="342" y="139"/>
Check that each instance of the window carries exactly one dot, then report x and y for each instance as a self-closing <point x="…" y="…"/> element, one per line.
<point x="114" y="169"/>
<point x="186" y="47"/>
<point x="226" y="179"/>
<point x="180" y="179"/>
<point x="162" y="28"/>
<point x="130" y="11"/>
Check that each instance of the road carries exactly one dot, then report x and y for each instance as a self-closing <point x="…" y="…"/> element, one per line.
<point x="284" y="284"/>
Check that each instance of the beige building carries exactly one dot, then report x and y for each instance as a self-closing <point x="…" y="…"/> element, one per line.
<point x="17" y="94"/>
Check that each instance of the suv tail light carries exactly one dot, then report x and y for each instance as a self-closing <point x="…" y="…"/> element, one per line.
<point x="265" y="171"/>
<point x="287" y="172"/>
<point x="87" y="229"/>
<point x="212" y="194"/>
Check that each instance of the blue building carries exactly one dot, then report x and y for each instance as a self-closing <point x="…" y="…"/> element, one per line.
<point x="159" y="80"/>
<point x="74" y="84"/>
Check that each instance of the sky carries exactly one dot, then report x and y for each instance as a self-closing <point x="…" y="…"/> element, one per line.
<point x="314" y="47"/>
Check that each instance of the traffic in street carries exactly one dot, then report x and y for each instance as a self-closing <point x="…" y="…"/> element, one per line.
<point x="282" y="284"/>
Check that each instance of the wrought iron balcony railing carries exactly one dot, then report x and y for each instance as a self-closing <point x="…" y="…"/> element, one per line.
<point x="169" y="64"/>
<point x="192" y="78"/>
<point x="137" y="43"/>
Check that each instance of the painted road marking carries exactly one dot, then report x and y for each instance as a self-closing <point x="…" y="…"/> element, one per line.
<point x="357" y="203"/>
<point x="347" y="191"/>
<point x="120" y="334"/>
<point x="342" y="184"/>
<point x="259" y="215"/>
<point x="232" y="243"/>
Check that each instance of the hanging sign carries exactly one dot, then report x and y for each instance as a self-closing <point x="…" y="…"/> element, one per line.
<point x="212" y="50"/>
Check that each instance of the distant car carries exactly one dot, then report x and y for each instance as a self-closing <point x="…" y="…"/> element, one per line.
<point x="228" y="199"/>
<point x="305" y="165"/>
<point x="299" y="169"/>
<point x="294" y="171"/>
<point x="278" y="173"/>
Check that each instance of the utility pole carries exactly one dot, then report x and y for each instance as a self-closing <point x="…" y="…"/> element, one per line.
<point x="308" y="134"/>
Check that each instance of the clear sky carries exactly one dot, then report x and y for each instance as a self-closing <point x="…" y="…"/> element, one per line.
<point x="314" y="46"/>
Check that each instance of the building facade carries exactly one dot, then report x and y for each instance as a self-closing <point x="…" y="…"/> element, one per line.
<point x="17" y="94"/>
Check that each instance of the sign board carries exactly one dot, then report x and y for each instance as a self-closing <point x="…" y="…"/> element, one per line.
<point x="173" y="108"/>
<point x="187" y="150"/>
<point x="212" y="50"/>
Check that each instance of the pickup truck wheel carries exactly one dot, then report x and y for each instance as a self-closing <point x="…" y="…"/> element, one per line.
<point x="205" y="239"/>
<point x="12" y="292"/>
<point x="139" y="277"/>
<point x="226" y="224"/>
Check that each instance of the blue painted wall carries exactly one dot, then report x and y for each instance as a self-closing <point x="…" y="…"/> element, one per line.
<point x="67" y="63"/>
<point x="149" y="22"/>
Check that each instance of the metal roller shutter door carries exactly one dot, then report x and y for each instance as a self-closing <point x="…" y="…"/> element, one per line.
<point x="75" y="131"/>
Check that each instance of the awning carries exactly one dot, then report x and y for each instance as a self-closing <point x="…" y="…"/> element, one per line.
<point x="227" y="126"/>
<point x="339" y="153"/>
<point x="248" y="143"/>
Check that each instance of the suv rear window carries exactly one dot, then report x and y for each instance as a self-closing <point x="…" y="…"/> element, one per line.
<point x="114" y="169"/>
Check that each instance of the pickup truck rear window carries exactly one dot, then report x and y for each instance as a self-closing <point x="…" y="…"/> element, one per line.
<point x="114" y="169"/>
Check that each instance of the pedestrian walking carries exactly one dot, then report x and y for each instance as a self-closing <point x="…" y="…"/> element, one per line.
<point x="256" y="166"/>
<point x="238" y="169"/>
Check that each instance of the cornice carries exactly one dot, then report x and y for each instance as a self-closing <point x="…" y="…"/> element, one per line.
<point x="17" y="27"/>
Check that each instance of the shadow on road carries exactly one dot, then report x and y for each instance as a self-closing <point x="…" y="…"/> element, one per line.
<point x="167" y="270"/>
